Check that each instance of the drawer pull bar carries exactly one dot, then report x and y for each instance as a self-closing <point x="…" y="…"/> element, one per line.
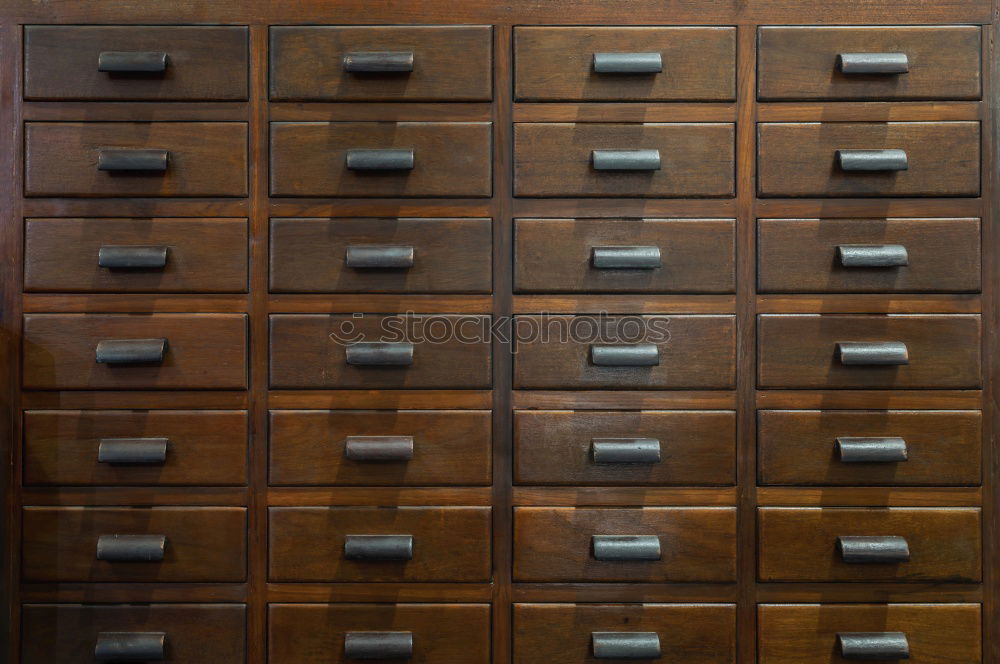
<point x="626" y="258"/>
<point x="625" y="645"/>
<point x="638" y="355"/>
<point x="378" y="547"/>
<point x="380" y="354"/>
<point x="872" y="255"/>
<point x="379" y="62"/>
<point x="131" y="351"/>
<point x="131" y="548"/>
<point x="877" y="549"/>
<point x="128" y="161"/>
<point x="378" y="645"/>
<point x="132" y="62"/>
<point x="873" y="645"/>
<point x="873" y="63"/>
<point x="872" y="353"/>
<point x="626" y="547"/>
<point x="132" y="450"/>
<point x="628" y="63"/>
<point x="130" y="646"/>
<point x="871" y="450"/>
<point x="379" y="448"/>
<point x="625" y="160"/>
<point x="625" y="450"/>
<point x="378" y="257"/>
<point x="132" y="257"/>
<point x="872" y="161"/>
<point x="380" y="160"/>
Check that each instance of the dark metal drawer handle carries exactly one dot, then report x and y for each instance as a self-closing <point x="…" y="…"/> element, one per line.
<point x="625" y="645"/>
<point x="379" y="448"/>
<point x="878" y="549"/>
<point x="132" y="450"/>
<point x="626" y="547"/>
<point x="625" y="160"/>
<point x="132" y="62"/>
<point x="873" y="353"/>
<point x="380" y="160"/>
<point x="126" y="161"/>
<point x="131" y="351"/>
<point x="872" y="255"/>
<point x="637" y="355"/>
<point x="872" y="161"/>
<point x="131" y="548"/>
<point x="132" y="257"/>
<point x="626" y="258"/>
<point x="625" y="450"/>
<point x="628" y="63"/>
<point x="873" y="63"/>
<point x="130" y="646"/>
<point x="871" y="450"/>
<point x="378" y="257"/>
<point x="379" y="62"/>
<point x="873" y="645"/>
<point x="378" y="547"/>
<point x="378" y="645"/>
<point x="380" y="353"/>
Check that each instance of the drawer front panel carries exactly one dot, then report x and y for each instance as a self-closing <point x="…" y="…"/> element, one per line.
<point x="556" y="159"/>
<point x="697" y="544"/>
<point x="557" y="64"/>
<point x="447" y="63"/>
<point x="310" y="544"/>
<point x="202" y="351"/>
<point x="800" y="544"/>
<point x="380" y="448"/>
<point x="822" y="255"/>
<point x="692" y="448"/>
<point x="565" y="255"/>
<point x="92" y="447"/>
<point x="202" y="544"/>
<point x="202" y="158"/>
<point x="802" y="351"/>
<point x="322" y="255"/>
<point x="174" y="255"/>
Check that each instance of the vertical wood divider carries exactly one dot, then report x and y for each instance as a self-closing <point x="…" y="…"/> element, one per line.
<point x="990" y="131"/>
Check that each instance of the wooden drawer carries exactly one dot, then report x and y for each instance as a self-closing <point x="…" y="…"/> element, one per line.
<point x="380" y="447"/>
<point x="564" y="633"/>
<point x="692" y="352"/>
<point x="448" y="159"/>
<point x="667" y="255"/>
<point x="202" y="544"/>
<point x="863" y="255"/>
<point x="316" y="633"/>
<point x="344" y="255"/>
<point x="173" y="255"/>
<point x="801" y="159"/>
<point x="135" y="447"/>
<point x="558" y="64"/>
<point x="195" y="633"/>
<point x="801" y="543"/>
<point x="808" y="633"/>
<point x="695" y="160"/>
<point x="697" y="544"/>
<point x="446" y="63"/>
<point x="195" y="62"/>
<point x="202" y="158"/>
<point x="202" y="351"/>
<point x="311" y="544"/>
<point x="803" y="447"/>
<point x="802" y="351"/>
<point x="631" y="448"/>
<point x="449" y="351"/>
<point x="942" y="62"/>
